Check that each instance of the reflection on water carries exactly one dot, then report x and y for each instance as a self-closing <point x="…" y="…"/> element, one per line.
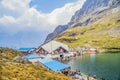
<point x="93" y="58"/>
<point x="102" y="65"/>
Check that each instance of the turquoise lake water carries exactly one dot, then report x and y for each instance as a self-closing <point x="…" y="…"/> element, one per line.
<point x="105" y="66"/>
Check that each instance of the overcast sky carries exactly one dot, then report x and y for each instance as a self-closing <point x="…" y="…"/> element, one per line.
<point x="26" y="23"/>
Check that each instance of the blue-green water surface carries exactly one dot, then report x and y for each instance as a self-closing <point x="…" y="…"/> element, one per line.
<point x="105" y="66"/>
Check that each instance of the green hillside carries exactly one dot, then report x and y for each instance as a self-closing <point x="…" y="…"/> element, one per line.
<point x="9" y="54"/>
<point x="11" y="70"/>
<point x="102" y="34"/>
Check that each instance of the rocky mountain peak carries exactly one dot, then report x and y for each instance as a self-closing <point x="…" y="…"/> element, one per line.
<point x="91" y="11"/>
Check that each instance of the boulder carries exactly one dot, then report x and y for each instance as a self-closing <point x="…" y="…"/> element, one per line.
<point x="20" y="59"/>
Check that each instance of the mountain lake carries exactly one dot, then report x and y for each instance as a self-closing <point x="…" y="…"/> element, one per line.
<point x="106" y="66"/>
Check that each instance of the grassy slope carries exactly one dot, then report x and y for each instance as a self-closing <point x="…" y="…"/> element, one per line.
<point x="18" y="71"/>
<point x="9" y="53"/>
<point x="93" y="35"/>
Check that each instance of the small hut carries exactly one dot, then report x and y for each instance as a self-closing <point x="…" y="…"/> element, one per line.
<point x="32" y="57"/>
<point x="26" y="51"/>
<point x="54" y="65"/>
<point x="92" y="50"/>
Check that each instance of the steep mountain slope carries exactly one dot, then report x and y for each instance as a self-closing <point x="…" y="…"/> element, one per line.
<point x="12" y="70"/>
<point x="91" y="11"/>
<point x="103" y="34"/>
<point x="58" y="30"/>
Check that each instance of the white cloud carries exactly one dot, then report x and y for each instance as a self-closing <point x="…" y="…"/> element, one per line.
<point x="16" y="15"/>
<point x="64" y="14"/>
<point x="7" y="19"/>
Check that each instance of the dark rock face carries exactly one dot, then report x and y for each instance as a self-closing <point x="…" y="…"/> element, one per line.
<point x="57" y="31"/>
<point x="91" y="11"/>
